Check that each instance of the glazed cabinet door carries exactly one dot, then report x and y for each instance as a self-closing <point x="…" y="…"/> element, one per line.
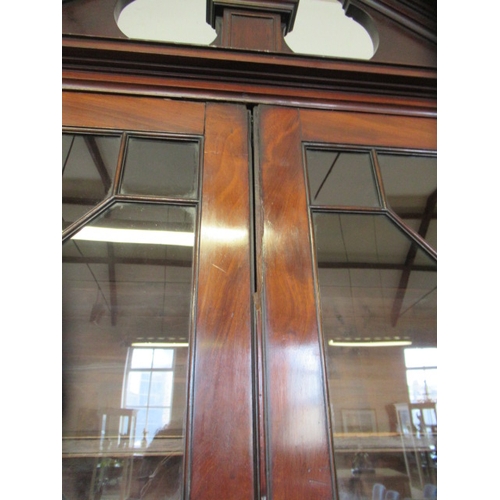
<point x="157" y="325"/>
<point x="179" y="380"/>
<point x="346" y="232"/>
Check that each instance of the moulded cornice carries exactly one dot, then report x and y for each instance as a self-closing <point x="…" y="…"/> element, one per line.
<point x="246" y="73"/>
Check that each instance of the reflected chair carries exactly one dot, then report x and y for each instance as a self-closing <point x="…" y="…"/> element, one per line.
<point x="430" y="491"/>
<point x="391" y="495"/>
<point x="378" y="492"/>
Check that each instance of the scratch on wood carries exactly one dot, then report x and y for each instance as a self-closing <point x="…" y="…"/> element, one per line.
<point x="220" y="268"/>
<point x="318" y="482"/>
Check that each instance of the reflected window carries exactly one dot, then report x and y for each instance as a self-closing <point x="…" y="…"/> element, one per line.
<point x="148" y="390"/>
<point x="421" y="374"/>
<point x="377" y="284"/>
<point x="127" y="280"/>
<point x="375" y="303"/>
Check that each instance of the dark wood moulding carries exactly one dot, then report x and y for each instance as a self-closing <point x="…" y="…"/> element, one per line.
<point x="201" y="73"/>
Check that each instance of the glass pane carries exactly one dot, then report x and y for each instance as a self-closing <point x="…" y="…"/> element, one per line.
<point x="163" y="358"/>
<point x="341" y="178"/>
<point x="137" y="391"/>
<point x="378" y="298"/>
<point x="142" y="358"/>
<point x="161" y="389"/>
<point x="162" y="167"/>
<point x="422" y="385"/>
<point x="88" y="169"/>
<point x="419" y="358"/>
<point x="410" y="184"/>
<point x="125" y="286"/>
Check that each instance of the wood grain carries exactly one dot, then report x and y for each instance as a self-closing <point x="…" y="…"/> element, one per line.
<point x="298" y="442"/>
<point x="222" y="455"/>
<point x="369" y="129"/>
<point x="132" y="113"/>
<point x="250" y="30"/>
<point x="240" y="72"/>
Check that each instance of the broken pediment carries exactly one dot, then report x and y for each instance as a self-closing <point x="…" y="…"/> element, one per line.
<point x="389" y="31"/>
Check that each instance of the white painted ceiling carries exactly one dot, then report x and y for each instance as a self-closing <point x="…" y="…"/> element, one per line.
<point x="321" y="27"/>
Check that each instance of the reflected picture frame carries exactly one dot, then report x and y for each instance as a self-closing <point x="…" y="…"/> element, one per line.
<point x="359" y="421"/>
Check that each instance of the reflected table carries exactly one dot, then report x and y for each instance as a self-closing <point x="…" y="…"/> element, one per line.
<point x="361" y="485"/>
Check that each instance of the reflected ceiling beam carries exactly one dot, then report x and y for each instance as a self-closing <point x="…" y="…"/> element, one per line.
<point x="93" y="148"/>
<point x="410" y="258"/>
<point x="127" y="260"/>
<point x="372" y="265"/>
<point x="428" y="215"/>
<point x="93" y="312"/>
<point x="327" y="175"/>
<point x="74" y="200"/>
<point x="68" y="154"/>
<point x="412" y="215"/>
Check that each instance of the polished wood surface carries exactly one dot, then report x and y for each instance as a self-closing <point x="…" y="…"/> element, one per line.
<point x="287" y="9"/>
<point x="250" y="30"/>
<point x="222" y="436"/>
<point x="258" y="424"/>
<point x="162" y="69"/>
<point x="132" y="113"/>
<point x="368" y="129"/>
<point x="91" y="17"/>
<point x="402" y="32"/>
<point x="297" y="441"/>
<point x="252" y="24"/>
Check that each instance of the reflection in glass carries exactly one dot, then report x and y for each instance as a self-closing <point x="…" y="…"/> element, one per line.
<point x="410" y="185"/>
<point x="88" y="167"/>
<point x="161" y="167"/>
<point x="378" y="306"/>
<point x="126" y="321"/>
<point x="421" y="373"/>
<point x="341" y="178"/>
<point x="148" y="390"/>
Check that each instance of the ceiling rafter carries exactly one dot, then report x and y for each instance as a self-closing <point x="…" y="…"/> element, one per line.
<point x="410" y="258"/>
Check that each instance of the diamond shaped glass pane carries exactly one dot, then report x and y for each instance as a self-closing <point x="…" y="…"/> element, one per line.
<point x="341" y="178"/>
<point x="162" y="167"/>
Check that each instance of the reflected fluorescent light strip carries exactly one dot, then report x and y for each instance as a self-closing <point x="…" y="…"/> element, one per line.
<point x="115" y="235"/>
<point x="160" y="344"/>
<point x="375" y="343"/>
